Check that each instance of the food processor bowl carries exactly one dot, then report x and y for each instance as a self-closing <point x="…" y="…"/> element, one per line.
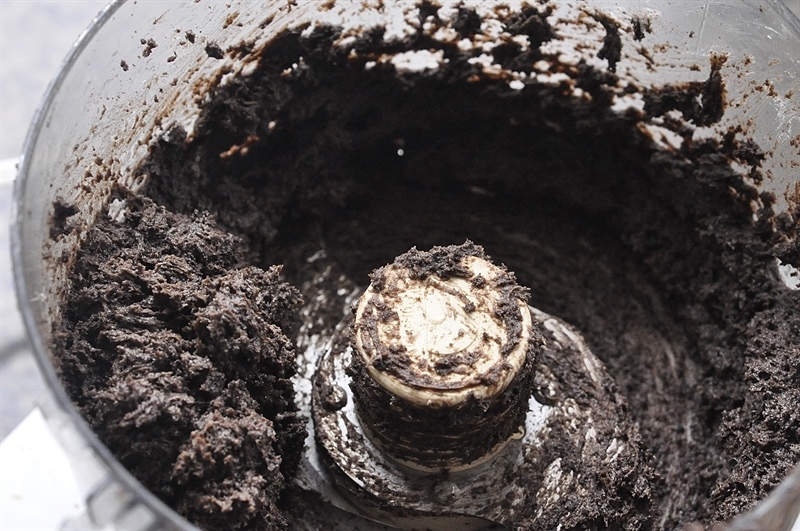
<point x="143" y="68"/>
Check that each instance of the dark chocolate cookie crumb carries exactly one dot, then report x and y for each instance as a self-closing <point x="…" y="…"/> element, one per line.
<point x="149" y="46"/>
<point x="467" y="22"/>
<point x="214" y="51"/>
<point x="612" y="43"/>
<point x="641" y="25"/>
<point x="60" y="222"/>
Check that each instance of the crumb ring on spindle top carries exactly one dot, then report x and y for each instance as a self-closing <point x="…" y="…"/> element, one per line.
<point x="437" y="341"/>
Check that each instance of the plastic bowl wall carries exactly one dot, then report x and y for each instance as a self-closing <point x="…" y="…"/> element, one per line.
<point x="145" y="66"/>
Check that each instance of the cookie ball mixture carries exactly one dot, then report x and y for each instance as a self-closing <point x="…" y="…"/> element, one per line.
<point x="615" y="203"/>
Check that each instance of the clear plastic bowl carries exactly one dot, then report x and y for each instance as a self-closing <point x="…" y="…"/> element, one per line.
<point x="111" y="99"/>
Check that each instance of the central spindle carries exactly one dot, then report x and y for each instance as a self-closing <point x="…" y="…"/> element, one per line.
<point x="443" y="353"/>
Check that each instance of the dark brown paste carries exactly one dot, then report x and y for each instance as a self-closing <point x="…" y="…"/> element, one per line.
<point x="178" y="326"/>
